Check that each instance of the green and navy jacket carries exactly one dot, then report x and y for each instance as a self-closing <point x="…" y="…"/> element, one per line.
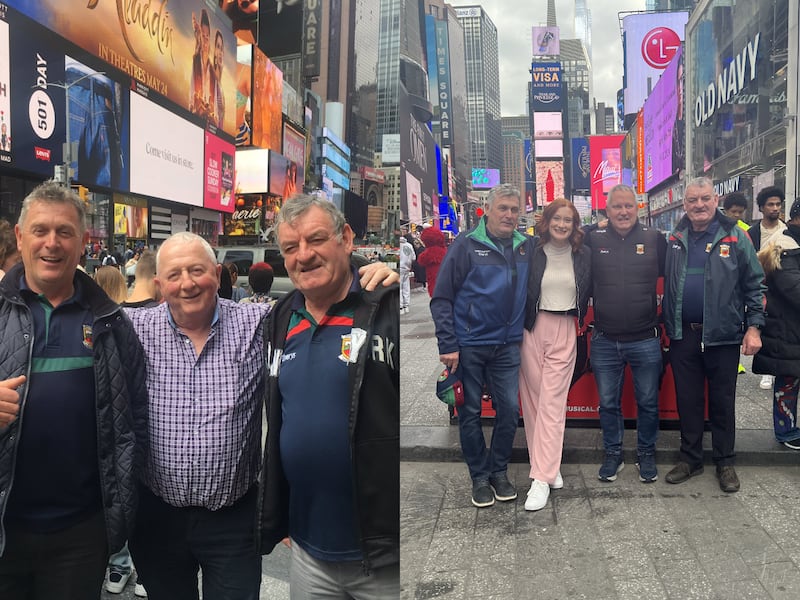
<point x="733" y="292"/>
<point x="480" y="295"/>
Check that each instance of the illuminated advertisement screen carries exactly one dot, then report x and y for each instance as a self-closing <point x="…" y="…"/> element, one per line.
<point x="547" y="125"/>
<point x="581" y="165"/>
<point x="485" y="179"/>
<point x="243" y="115"/>
<point x="651" y="42"/>
<point x="252" y="171"/>
<point x="660" y="110"/>
<point x="130" y="221"/>
<point x="546" y="41"/>
<point x="267" y="102"/>
<point x="219" y="172"/>
<point x="282" y="176"/>
<point x="549" y="180"/>
<point x="186" y="50"/>
<point x="548" y="148"/>
<point x="605" y="159"/>
<point x="530" y="182"/>
<point x="166" y="154"/>
<point x="294" y="148"/>
<point x="5" y="99"/>
<point x="546" y="87"/>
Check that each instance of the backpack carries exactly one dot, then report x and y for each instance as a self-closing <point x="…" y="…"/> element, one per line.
<point x="109" y="260"/>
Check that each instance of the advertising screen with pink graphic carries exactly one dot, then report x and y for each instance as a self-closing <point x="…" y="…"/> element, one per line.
<point x="219" y="170"/>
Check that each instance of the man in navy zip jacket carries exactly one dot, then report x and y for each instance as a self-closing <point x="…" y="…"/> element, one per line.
<point x="479" y="311"/>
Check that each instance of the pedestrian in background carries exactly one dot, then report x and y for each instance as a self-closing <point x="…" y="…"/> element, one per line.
<point x="478" y="308"/>
<point x="627" y="260"/>
<point x="713" y="304"/>
<point x="73" y="373"/>
<point x="780" y="354"/>
<point x="407" y="257"/>
<point x="331" y="469"/>
<point x="260" y="277"/>
<point x="9" y="254"/>
<point x="431" y="259"/>
<point x="559" y="286"/>
<point x="770" y="203"/>
<point x="112" y="282"/>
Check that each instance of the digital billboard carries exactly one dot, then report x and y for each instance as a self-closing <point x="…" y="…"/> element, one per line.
<point x="549" y="180"/>
<point x="294" y="148"/>
<point x="547" y="125"/>
<point x="252" y="171"/>
<point x="219" y="171"/>
<point x="282" y="176"/>
<point x="548" y="148"/>
<point x="546" y="41"/>
<point x="606" y="165"/>
<point x="485" y="179"/>
<point x="5" y="95"/>
<point x="166" y="154"/>
<point x="267" y="102"/>
<point x="530" y="179"/>
<point x="546" y="87"/>
<point x="411" y="202"/>
<point x="660" y="111"/>
<point x="443" y="78"/>
<point x="581" y="165"/>
<point x="180" y="50"/>
<point x="651" y="40"/>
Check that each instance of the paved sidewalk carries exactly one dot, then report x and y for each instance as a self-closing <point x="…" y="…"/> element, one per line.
<point x="604" y="541"/>
<point x="426" y="433"/>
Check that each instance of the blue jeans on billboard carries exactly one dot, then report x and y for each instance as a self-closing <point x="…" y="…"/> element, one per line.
<point x="608" y="360"/>
<point x="93" y="124"/>
<point x="498" y="367"/>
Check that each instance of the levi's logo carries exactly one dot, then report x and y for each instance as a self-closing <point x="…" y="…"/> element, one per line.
<point x="41" y="153"/>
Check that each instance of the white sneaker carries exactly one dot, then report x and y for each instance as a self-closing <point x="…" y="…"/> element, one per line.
<point x="558" y="483"/>
<point x="766" y="382"/>
<point x="537" y="495"/>
<point x="116" y="580"/>
<point x="139" y="591"/>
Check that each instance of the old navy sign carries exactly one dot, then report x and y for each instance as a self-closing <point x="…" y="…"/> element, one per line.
<point x="734" y="78"/>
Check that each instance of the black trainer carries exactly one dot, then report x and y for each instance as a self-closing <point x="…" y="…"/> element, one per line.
<point x="482" y="494"/>
<point x="793" y="444"/>
<point x="503" y="490"/>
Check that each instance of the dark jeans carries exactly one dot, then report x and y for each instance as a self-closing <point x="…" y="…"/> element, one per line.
<point x="170" y="545"/>
<point x="65" y="565"/>
<point x="608" y="364"/>
<point x="498" y="367"/>
<point x="692" y="368"/>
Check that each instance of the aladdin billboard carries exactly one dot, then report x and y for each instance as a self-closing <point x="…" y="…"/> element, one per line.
<point x="184" y="51"/>
<point x="660" y="112"/>
<point x="651" y="41"/>
<point x="605" y="158"/>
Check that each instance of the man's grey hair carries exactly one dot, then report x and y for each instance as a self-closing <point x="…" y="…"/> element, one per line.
<point x="504" y="190"/>
<point x="700" y="182"/>
<point x="54" y="193"/>
<point x="300" y="204"/>
<point x="621" y="187"/>
<point x="186" y="237"/>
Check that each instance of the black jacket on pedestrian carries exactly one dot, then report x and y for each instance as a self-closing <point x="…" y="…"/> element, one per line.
<point x="780" y="338"/>
<point x="625" y="271"/>
<point x="583" y="282"/>
<point x="121" y="400"/>
<point x="374" y="430"/>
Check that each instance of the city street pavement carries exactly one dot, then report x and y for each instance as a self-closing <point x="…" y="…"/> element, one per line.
<point x="594" y="540"/>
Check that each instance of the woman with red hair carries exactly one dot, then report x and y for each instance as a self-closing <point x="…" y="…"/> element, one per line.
<point x="558" y="294"/>
<point x="433" y="255"/>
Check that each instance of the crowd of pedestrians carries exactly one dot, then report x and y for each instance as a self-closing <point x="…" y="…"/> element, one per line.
<point x="508" y="308"/>
<point x="135" y="421"/>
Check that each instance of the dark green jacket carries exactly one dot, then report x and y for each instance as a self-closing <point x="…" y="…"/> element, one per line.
<point x="733" y="281"/>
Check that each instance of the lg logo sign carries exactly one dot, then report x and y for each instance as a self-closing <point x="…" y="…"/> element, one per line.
<point x="659" y="46"/>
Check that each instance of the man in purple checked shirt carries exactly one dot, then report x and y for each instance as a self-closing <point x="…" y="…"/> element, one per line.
<point x="205" y="378"/>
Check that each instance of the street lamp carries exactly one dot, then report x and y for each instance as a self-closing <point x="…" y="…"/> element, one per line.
<point x="63" y="172"/>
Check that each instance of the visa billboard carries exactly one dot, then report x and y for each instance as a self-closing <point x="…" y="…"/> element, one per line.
<point x="546" y="87"/>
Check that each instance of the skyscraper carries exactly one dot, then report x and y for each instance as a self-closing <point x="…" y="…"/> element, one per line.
<point x="483" y="87"/>
<point x="583" y="26"/>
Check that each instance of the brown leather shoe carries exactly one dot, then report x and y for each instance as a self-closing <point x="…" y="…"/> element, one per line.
<point x="728" y="481"/>
<point x="681" y="472"/>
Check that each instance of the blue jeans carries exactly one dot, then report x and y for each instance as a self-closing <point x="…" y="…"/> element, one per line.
<point x="608" y="359"/>
<point x="498" y="367"/>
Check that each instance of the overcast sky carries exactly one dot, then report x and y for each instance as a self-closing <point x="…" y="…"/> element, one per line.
<point x="514" y="19"/>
